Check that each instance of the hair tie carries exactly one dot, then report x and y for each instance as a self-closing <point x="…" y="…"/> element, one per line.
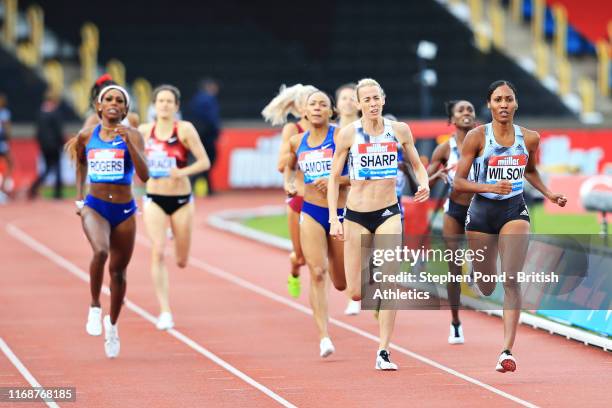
<point x="104" y="78"/>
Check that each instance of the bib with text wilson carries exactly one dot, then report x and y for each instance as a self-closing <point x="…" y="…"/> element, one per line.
<point x="511" y="168"/>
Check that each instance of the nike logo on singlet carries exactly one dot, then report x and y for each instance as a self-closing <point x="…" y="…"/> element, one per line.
<point x="172" y="139"/>
<point x="117" y="142"/>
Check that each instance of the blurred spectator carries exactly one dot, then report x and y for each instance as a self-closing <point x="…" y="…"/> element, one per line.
<point x="5" y="151"/>
<point x="50" y="137"/>
<point x="203" y="111"/>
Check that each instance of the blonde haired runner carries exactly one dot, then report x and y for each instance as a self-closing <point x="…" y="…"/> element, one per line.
<point x="372" y="206"/>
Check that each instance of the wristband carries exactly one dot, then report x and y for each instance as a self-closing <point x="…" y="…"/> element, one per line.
<point x="79" y="204"/>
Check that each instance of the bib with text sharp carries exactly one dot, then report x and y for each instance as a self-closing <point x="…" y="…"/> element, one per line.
<point x="315" y="164"/>
<point x="511" y="168"/>
<point x="377" y="160"/>
<point x="105" y="165"/>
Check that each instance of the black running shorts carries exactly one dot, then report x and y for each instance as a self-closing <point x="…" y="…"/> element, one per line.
<point x="489" y="216"/>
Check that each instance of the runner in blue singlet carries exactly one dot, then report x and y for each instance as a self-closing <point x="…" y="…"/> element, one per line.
<point x="313" y="150"/>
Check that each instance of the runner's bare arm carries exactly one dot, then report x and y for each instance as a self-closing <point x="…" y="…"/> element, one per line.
<point x="344" y="140"/>
<point x="343" y="180"/>
<point x="135" y="144"/>
<point x="437" y="167"/>
<point x="290" y="160"/>
<point x="288" y="131"/>
<point x="404" y="135"/>
<point x="190" y="138"/>
<point x="81" y="165"/>
<point x="532" y="175"/>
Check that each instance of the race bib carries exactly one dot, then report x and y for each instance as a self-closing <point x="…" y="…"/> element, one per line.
<point x="105" y="164"/>
<point x="511" y="168"/>
<point x="159" y="163"/>
<point x="315" y="164"/>
<point x="377" y="160"/>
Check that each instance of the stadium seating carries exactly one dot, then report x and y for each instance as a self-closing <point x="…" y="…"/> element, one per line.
<point x="253" y="50"/>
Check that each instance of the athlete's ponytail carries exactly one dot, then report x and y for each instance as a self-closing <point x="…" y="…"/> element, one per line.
<point x="288" y="101"/>
<point x="282" y="105"/>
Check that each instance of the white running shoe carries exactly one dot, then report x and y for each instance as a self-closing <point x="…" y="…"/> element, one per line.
<point x="326" y="346"/>
<point x="165" y="322"/>
<point x="506" y="362"/>
<point x="352" y="308"/>
<point x="383" y="362"/>
<point x="94" y="321"/>
<point x="111" y="336"/>
<point x="456" y="334"/>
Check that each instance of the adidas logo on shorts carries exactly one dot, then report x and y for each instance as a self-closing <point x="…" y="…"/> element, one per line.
<point x="386" y="213"/>
<point x="467" y="219"/>
<point x="525" y="212"/>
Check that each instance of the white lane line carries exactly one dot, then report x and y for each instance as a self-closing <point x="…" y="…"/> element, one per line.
<point x="142" y="240"/>
<point x="33" y="244"/>
<point x="213" y="270"/>
<point x="297" y="306"/>
<point x="23" y="370"/>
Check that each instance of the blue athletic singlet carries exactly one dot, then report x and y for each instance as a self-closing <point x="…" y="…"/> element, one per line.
<point x="108" y="162"/>
<point x="316" y="162"/>
<point x="373" y="157"/>
<point x="502" y="163"/>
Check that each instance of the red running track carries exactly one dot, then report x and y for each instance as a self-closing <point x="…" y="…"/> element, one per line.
<point x="241" y="341"/>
